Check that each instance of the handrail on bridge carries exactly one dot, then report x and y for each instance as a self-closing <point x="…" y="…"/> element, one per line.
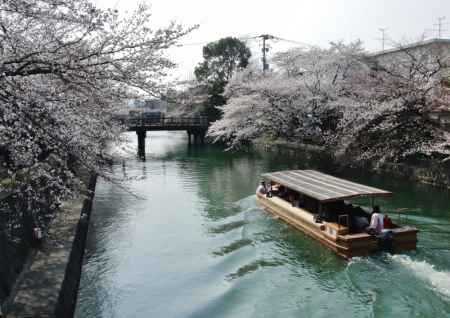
<point x="162" y="121"/>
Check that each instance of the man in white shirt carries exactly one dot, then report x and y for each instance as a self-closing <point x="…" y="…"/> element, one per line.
<point x="376" y="221"/>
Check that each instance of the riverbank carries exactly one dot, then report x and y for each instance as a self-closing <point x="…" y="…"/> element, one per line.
<point x="48" y="285"/>
<point x="435" y="173"/>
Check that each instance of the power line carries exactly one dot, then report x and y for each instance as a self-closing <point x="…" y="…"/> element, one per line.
<point x="243" y="38"/>
<point x="265" y="47"/>
<point x="292" y="41"/>
<point x="191" y="44"/>
<point x="248" y="38"/>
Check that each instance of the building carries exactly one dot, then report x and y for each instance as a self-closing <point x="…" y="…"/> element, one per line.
<point x="433" y="45"/>
<point x="147" y="105"/>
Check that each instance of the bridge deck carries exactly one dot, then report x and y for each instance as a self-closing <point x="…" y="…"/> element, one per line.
<point x="167" y="123"/>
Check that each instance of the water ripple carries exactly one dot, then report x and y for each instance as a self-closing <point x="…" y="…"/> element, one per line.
<point x="228" y="227"/>
<point x="254" y="266"/>
<point x="233" y="247"/>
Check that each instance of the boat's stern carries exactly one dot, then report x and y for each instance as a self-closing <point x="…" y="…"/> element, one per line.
<point x="404" y="239"/>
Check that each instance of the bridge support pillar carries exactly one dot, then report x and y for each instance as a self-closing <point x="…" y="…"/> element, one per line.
<point x="141" y="134"/>
<point x="202" y="137"/>
<point x="196" y="136"/>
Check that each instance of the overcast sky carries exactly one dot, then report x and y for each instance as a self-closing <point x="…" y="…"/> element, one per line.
<point x="313" y="22"/>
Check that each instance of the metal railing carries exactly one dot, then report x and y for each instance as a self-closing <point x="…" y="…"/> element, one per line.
<point x="168" y="122"/>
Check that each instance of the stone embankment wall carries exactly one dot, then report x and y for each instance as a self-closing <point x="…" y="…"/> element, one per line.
<point x="435" y="173"/>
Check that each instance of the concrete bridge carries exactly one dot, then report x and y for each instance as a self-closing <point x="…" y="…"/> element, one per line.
<point x="195" y="127"/>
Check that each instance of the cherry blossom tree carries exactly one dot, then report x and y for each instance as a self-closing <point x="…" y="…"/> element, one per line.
<point x="365" y="107"/>
<point x="187" y="100"/>
<point x="65" y="66"/>
<point x="400" y="91"/>
<point x="293" y="102"/>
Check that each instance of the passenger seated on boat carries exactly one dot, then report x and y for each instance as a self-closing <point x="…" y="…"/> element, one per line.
<point x="269" y="191"/>
<point x="387" y="222"/>
<point x="295" y="199"/>
<point x="292" y="197"/>
<point x="358" y="211"/>
<point x="331" y="211"/>
<point x="275" y="188"/>
<point x="376" y="221"/>
<point x="262" y="188"/>
<point x="282" y="192"/>
<point x="311" y="205"/>
<point x="325" y="212"/>
<point x="359" y="223"/>
<point x="301" y="201"/>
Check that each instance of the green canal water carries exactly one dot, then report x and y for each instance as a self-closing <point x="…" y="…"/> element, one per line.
<point x="191" y="241"/>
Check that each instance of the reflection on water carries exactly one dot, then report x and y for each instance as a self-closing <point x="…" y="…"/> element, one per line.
<point x="191" y="241"/>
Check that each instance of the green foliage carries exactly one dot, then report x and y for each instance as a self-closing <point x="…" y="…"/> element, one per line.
<point x="221" y="60"/>
<point x="5" y="183"/>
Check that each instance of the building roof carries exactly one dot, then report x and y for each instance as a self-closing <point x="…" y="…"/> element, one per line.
<point x="410" y="46"/>
<point x="323" y="187"/>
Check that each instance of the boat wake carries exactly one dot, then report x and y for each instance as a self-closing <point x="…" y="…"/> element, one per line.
<point x="438" y="280"/>
<point x="246" y="203"/>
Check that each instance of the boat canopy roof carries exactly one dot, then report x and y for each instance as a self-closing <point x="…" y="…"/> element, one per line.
<point x="323" y="187"/>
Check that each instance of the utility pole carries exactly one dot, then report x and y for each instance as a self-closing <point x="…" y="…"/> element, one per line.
<point x="265" y="37"/>
<point x="383" y="37"/>
<point x="439" y="25"/>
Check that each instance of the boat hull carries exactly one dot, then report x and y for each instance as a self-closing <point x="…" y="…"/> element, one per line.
<point x="332" y="235"/>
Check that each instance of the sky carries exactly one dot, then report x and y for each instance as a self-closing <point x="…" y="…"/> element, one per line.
<point x="310" y="22"/>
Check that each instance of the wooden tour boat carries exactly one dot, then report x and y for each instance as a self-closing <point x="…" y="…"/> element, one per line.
<point x="317" y="204"/>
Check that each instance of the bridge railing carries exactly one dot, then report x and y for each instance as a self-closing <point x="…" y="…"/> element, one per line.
<point x="162" y="121"/>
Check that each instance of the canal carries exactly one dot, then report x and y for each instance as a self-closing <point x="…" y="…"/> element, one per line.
<point x="188" y="240"/>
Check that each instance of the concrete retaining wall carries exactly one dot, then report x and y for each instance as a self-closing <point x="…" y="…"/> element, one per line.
<point x="68" y="294"/>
